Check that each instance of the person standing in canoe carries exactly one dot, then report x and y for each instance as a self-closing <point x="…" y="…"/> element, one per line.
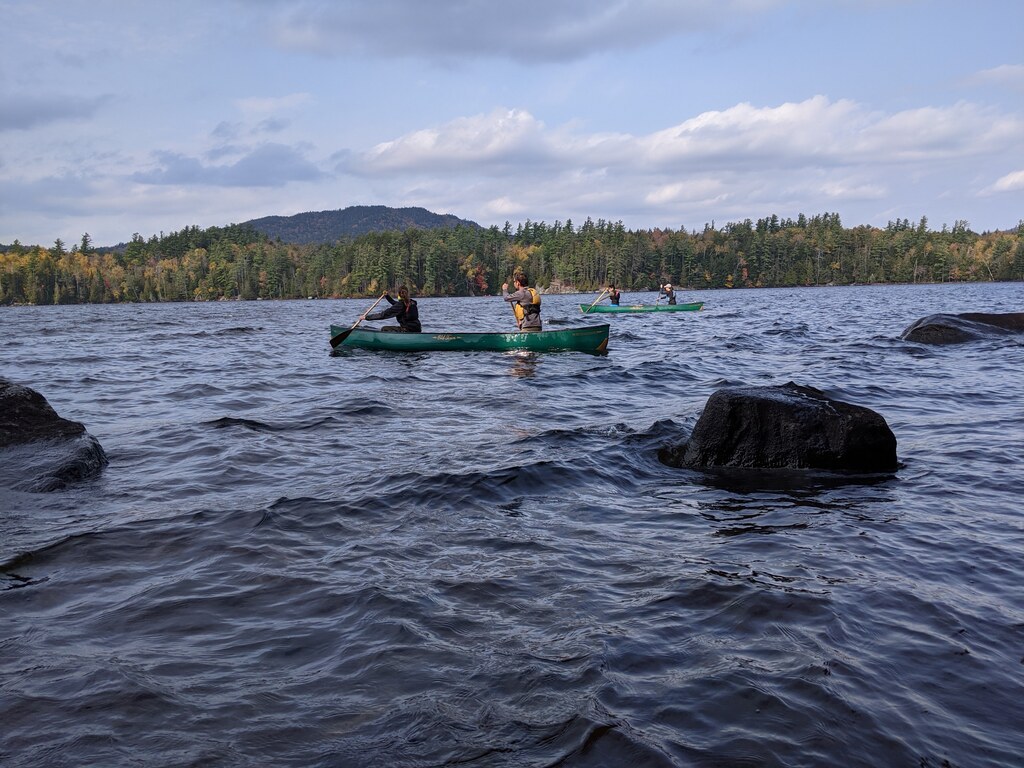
<point x="525" y="303"/>
<point x="668" y="293"/>
<point x="614" y="294"/>
<point x="403" y="309"/>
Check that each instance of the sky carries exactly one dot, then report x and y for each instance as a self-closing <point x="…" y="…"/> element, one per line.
<point x="123" y="117"/>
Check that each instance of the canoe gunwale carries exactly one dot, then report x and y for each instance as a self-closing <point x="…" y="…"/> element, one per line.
<point x="591" y="339"/>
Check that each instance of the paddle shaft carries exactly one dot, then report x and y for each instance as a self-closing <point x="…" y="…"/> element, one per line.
<point x="599" y="297"/>
<point x="512" y="306"/>
<point x="335" y="341"/>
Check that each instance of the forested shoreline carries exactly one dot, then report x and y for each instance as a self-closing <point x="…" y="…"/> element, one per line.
<point x="236" y="262"/>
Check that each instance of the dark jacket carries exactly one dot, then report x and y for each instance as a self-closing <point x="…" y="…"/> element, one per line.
<point x="408" y="315"/>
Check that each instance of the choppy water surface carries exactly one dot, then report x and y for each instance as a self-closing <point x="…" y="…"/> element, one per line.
<point x="476" y="559"/>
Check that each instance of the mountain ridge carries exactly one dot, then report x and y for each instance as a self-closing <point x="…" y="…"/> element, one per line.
<point x="330" y="226"/>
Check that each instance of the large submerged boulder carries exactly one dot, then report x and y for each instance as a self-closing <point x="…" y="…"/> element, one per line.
<point x="970" y="326"/>
<point x="786" y="427"/>
<point x="41" y="451"/>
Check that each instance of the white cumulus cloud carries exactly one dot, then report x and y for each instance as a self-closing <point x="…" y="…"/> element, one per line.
<point x="1011" y="182"/>
<point x="816" y="132"/>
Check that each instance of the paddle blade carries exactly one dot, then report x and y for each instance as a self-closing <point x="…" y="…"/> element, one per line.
<point x="337" y="341"/>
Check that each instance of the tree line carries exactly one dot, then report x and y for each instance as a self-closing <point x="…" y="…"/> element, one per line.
<point x="237" y="262"/>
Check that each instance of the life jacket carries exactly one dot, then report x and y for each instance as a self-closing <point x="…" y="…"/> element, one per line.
<point x="527" y="310"/>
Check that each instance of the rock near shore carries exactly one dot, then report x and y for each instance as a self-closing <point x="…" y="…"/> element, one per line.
<point x="786" y="427"/>
<point x="41" y="451"/>
<point x="970" y="326"/>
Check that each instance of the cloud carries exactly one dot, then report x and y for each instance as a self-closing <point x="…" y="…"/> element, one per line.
<point x="507" y="164"/>
<point x="501" y="139"/>
<point x="526" y="31"/>
<point x="1009" y="75"/>
<point x="226" y="131"/>
<point x="1011" y="182"/>
<point x="938" y="132"/>
<point x="56" y="195"/>
<point x="270" y="165"/>
<point x="272" y="125"/>
<point x="815" y="133"/>
<point x="111" y="208"/>
<point x="693" y="190"/>
<point x="720" y="164"/>
<point x="22" y="112"/>
<point x="264" y="105"/>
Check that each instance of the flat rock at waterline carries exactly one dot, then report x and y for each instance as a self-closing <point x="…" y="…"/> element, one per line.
<point x="786" y="427"/>
<point x="970" y="326"/>
<point x="41" y="450"/>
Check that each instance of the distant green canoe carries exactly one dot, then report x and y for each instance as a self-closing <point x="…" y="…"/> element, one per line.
<point x="587" y="308"/>
<point x="589" y="338"/>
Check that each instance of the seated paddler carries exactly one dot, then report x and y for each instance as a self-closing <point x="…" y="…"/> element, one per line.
<point x="403" y="309"/>
<point x="525" y="302"/>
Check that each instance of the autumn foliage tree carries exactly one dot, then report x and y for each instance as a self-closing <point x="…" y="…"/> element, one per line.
<point x="236" y="262"/>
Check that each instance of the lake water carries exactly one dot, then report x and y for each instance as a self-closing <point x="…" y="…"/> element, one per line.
<point x="476" y="559"/>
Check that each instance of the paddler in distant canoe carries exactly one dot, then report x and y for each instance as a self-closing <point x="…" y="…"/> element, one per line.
<point x="525" y="303"/>
<point x="404" y="310"/>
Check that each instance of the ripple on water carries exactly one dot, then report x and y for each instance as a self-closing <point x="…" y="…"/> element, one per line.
<point x="299" y="559"/>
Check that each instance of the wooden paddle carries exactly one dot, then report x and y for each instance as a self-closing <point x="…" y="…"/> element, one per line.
<point x="337" y="340"/>
<point x="512" y="306"/>
<point x="599" y="297"/>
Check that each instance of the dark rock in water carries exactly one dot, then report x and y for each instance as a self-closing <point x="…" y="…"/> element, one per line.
<point x="786" y="427"/>
<point x="970" y="326"/>
<point x="26" y="417"/>
<point x="49" y="465"/>
<point x="41" y="450"/>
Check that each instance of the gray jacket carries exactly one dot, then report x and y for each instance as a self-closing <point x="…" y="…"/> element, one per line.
<point x="524" y="298"/>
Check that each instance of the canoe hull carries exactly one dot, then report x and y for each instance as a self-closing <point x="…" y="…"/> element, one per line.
<point x="631" y="308"/>
<point x="592" y="339"/>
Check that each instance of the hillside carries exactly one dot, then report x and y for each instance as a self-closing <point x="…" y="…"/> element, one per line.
<point x="331" y="226"/>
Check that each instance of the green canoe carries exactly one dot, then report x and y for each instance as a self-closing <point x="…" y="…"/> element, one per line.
<point x="587" y="308"/>
<point x="589" y="338"/>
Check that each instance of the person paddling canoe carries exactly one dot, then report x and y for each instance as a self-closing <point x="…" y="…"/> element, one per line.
<point x="668" y="293"/>
<point x="403" y="309"/>
<point x="525" y="303"/>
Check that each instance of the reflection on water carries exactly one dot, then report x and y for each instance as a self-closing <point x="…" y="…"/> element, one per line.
<point x="524" y="364"/>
